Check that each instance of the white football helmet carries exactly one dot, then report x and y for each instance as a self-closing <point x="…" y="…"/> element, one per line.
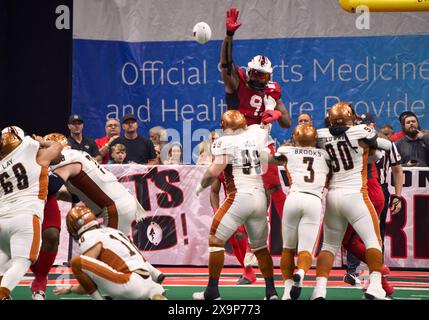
<point x="259" y="71"/>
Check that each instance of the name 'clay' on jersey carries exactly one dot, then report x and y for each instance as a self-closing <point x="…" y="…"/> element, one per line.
<point x="24" y="183"/>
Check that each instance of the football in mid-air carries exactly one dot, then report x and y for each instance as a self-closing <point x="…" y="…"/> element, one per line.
<point x="202" y="32"/>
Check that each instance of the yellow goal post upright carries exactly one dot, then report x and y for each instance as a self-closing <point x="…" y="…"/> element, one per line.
<point x="386" y="5"/>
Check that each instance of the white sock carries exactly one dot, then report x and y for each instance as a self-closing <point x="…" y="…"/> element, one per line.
<point x="320" y="289"/>
<point x="15" y="272"/>
<point x="375" y="277"/>
<point x="288" y="286"/>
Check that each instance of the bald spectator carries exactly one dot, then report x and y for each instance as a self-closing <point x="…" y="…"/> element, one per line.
<point x="139" y="149"/>
<point x="78" y="142"/>
<point x="113" y="131"/>
<point x="414" y="146"/>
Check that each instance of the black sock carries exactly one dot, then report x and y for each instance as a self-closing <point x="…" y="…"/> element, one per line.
<point x="269" y="287"/>
<point x="213" y="282"/>
<point x="212" y="290"/>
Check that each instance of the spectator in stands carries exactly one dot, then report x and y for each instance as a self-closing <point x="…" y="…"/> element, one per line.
<point x="139" y="149"/>
<point x="414" y="146"/>
<point x="399" y="135"/>
<point x="113" y="130"/>
<point x="78" y="141"/>
<point x="119" y="153"/>
<point x="386" y="131"/>
<point x="158" y="136"/>
<point x="305" y="118"/>
<point x="175" y="155"/>
<point x="205" y="149"/>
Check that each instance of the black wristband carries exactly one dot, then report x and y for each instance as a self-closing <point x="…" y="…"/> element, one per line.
<point x="230" y="33"/>
<point x="224" y="65"/>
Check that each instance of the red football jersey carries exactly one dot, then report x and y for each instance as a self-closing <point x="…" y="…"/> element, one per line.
<point x="252" y="101"/>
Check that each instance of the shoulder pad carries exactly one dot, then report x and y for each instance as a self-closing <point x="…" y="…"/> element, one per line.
<point x="361" y="131"/>
<point x="323" y="133"/>
<point x="284" y="150"/>
<point x="223" y="145"/>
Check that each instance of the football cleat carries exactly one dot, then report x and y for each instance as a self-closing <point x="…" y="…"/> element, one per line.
<point x="201" y="296"/>
<point x="243" y="281"/>
<point x="375" y="292"/>
<point x="38" y="295"/>
<point x="351" y="279"/>
<point x="272" y="297"/>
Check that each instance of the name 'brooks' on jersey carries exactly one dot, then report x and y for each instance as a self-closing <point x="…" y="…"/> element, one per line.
<point x="306" y="169"/>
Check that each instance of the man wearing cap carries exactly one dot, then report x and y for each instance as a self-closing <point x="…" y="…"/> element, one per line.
<point x="139" y="149"/>
<point x="78" y="142"/>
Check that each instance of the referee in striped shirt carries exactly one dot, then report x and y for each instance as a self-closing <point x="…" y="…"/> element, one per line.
<point x="391" y="160"/>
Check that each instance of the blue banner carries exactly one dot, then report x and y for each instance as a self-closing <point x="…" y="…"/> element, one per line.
<point x="177" y="84"/>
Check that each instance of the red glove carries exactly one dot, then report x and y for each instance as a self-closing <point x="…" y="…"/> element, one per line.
<point x="271" y="116"/>
<point x="231" y="21"/>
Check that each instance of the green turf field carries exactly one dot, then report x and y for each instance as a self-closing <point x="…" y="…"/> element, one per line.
<point x="241" y="293"/>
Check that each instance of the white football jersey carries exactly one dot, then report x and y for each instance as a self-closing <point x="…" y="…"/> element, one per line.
<point x="243" y="172"/>
<point x="97" y="187"/>
<point x="23" y="182"/>
<point x="306" y="169"/>
<point x="118" y="252"/>
<point x="349" y="160"/>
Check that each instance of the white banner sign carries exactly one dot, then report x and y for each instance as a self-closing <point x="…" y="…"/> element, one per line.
<point x="178" y="232"/>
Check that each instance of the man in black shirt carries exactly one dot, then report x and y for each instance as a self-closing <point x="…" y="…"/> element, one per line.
<point x="414" y="146"/>
<point x="78" y="142"/>
<point x="139" y="149"/>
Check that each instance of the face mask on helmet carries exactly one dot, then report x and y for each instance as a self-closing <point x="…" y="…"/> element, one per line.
<point x="341" y="114"/>
<point x="259" y="72"/>
<point x="11" y="138"/>
<point x="57" y="137"/>
<point x="78" y="220"/>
